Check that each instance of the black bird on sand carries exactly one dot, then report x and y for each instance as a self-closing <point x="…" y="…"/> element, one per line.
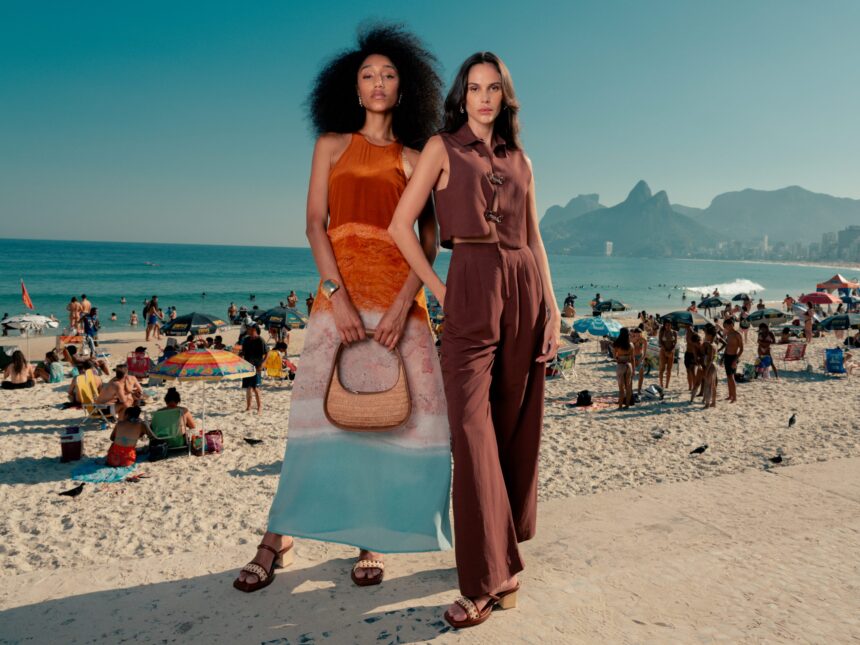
<point x="792" y="420"/>
<point x="699" y="450"/>
<point x="253" y="442"/>
<point x="73" y="492"/>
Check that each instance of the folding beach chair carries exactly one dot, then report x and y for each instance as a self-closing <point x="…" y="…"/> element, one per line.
<point x="563" y="365"/>
<point x="86" y="395"/>
<point x="168" y="426"/>
<point x="794" y="352"/>
<point x="834" y="361"/>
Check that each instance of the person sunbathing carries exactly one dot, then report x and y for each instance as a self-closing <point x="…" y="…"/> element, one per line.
<point x="19" y="373"/>
<point x="123" y="391"/>
<point x="125" y="436"/>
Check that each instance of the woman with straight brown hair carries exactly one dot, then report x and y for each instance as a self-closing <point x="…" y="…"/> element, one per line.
<point x="501" y="325"/>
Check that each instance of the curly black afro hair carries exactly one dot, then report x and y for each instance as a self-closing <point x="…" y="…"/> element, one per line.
<point x="333" y="104"/>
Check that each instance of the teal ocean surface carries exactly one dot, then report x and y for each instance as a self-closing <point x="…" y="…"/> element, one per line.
<point x="54" y="271"/>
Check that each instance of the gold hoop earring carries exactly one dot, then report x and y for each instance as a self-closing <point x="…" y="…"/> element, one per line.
<point x="360" y="104"/>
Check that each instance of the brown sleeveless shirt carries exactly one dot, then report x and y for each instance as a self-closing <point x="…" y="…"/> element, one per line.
<point x="466" y="205"/>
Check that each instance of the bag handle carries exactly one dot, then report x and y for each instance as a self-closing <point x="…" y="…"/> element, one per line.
<point x="370" y="333"/>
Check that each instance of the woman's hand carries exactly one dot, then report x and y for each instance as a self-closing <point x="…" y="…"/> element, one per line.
<point x="551" y="332"/>
<point x="441" y="296"/>
<point x="346" y="318"/>
<point x="389" y="331"/>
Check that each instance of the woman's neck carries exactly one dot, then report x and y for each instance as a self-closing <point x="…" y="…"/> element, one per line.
<point x="481" y="130"/>
<point x="378" y="127"/>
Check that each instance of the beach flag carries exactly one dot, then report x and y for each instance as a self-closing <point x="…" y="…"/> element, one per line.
<point x="26" y="296"/>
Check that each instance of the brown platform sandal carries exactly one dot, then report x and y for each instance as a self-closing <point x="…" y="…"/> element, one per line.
<point x="504" y="600"/>
<point x="264" y="578"/>
<point x="368" y="564"/>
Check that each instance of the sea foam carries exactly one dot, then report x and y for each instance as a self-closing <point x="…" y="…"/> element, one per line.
<point x="741" y="285"/>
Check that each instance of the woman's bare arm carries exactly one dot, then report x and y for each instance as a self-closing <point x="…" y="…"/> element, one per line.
<point x="411" y="207"/>
<point x="347" y="320"/>
<point x="535" y="242"/>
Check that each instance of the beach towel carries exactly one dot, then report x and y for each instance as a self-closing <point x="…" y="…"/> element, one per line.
<point x="94" y="471"/>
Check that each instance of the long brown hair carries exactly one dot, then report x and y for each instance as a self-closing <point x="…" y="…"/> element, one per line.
<point x="507" y="124"/>
<point x="19" y="362"/>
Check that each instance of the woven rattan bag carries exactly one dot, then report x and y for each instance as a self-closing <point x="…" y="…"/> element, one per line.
<point x="367" y="411"/>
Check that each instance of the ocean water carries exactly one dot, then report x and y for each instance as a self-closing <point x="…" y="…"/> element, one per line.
<point x="54" y="271"/>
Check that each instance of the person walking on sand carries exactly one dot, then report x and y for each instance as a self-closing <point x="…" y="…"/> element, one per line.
<point x="692" y="360"/>
<point x="501" y="325"/>
<point x="668" y="341"/>
<point x="385" y="491"/>
<point x="808" y="319"/>
<point x="731" y="358"/>
<point x="766" y="338"/>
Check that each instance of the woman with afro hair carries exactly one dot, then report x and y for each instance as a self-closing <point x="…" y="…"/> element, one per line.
<point x="372" y="107"/>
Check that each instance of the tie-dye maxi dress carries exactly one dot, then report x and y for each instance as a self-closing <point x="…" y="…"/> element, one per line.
<point x="385" y="491"/>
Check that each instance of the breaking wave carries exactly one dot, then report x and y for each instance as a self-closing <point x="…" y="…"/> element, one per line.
<point x="741" y="285"/>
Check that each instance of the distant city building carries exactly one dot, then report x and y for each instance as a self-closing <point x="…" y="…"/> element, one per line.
<point x="764" y="247"/>
<point x="608" y="248"/>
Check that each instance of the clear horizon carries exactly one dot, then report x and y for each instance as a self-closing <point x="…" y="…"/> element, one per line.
<point x="184" y="124"/>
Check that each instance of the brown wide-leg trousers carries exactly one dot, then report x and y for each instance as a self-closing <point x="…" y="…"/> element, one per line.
<point x="494" y="323"/>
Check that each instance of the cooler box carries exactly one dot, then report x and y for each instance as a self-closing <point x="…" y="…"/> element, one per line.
<point x="72" y="444"/>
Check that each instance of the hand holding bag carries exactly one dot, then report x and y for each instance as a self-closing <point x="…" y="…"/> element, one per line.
<point x="367" y="411"/>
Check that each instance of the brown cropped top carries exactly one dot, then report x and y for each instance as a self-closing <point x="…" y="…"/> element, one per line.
<point x="483" y="188"/>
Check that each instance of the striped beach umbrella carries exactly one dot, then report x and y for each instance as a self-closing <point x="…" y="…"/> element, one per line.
<point x="204" y="365"/>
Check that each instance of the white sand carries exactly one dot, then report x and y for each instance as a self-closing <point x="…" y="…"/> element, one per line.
<point x="215" y="505"/>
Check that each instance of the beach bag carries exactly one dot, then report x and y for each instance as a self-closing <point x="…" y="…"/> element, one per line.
<point x="367" y="411"/>
<point x="583" y="399"/>
<point x="158" y="449"/>
<point x="214" y="443"/>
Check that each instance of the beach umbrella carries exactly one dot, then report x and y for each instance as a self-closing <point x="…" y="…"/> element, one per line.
<point x="713" y="302"/>
<point x="203" y="365"/>
<point x="841" y="322"/>
<point x="741" y="296"/>
<point x="597" y="326"/>
<point x="820" y="298"/>
<point x="769" y="316"/>
<point x="193" y="323"/>
<point x="281" y="317"/>
<point x="679" y="318"/>
<point x="610" y="305"/>
<point x="28" y="323"/>
<point x="851" y="300"/>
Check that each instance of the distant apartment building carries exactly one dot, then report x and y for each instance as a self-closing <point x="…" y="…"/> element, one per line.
<point x="847" y="241"/>
<point x="608" y="248"/>
<point x="764" y="247"/>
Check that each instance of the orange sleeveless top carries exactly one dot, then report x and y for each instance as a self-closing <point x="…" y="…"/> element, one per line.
<point x="364" y="187"/>
<point x="365" y="184"/>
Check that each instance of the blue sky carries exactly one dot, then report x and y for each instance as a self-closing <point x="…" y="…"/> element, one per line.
<point x="164" y="121"/>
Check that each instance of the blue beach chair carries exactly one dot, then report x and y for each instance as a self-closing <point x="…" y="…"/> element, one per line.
<point x="834" y="361"/>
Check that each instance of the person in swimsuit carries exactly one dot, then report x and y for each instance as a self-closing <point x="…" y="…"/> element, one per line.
<point x="19" y="373"/>
<point x="640" y="350"/>
<point x="152" y="315"/>
<point x="709" y="367"/>
<point x="808" y="318"/>
<point x="692" y="360"/>
<point x="624" y="353"/>
<point x="668" y="339"/>
<point x="731" y="358"/>
<point x="766" y="338"/>
<point x="125" y="436"/>
<point x="75" y="310"/>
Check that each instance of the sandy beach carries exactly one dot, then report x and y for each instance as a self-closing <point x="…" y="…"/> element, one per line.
<point x="198" y="515"/>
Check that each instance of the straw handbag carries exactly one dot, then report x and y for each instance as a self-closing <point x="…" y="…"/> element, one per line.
<point x="367" y="411"/>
